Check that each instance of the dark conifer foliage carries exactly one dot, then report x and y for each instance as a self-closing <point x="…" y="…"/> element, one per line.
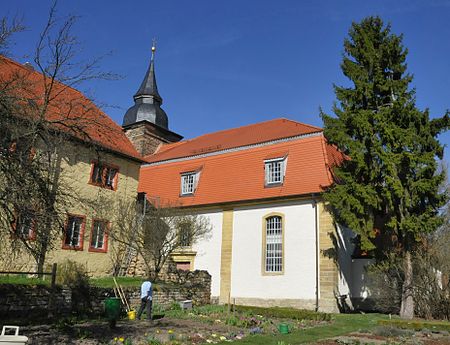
<point x="387" y="191"/>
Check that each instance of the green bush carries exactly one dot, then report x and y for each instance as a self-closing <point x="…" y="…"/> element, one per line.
<point x="417" y="324"/>
<point x="285" y="313"/>
<point x="72" y="274"/>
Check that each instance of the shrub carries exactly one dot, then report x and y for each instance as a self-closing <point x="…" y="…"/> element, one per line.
<point x="72" y="274"/>
<point x="75" y="276"/>
<point x="285" y="313"/>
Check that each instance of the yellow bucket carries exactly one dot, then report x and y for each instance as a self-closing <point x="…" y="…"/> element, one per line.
<point x="131" y="315"/>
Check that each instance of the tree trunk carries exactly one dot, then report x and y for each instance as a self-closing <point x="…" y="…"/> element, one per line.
<point x="40" y="262"/>
<point x="407" y="306"/>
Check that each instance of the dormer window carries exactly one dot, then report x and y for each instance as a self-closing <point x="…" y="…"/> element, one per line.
<point x="274" y="171"/>
<point x="189" y="181"/>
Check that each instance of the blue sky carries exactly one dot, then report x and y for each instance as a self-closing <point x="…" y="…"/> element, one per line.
<point x="224" y="64"/>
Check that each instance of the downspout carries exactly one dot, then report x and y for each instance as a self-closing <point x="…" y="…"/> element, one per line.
<point x="316" y="222"/>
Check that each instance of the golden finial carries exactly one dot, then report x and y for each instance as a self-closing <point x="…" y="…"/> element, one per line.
<point x="153" y="47"/>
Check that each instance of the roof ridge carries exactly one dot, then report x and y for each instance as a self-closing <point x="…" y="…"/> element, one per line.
<point x="228" y="150"/>
<point x="169" y="147"/>
<point x="259" y="123"/>
<point x="249" y="125"/>
<point x="302" y="123"/>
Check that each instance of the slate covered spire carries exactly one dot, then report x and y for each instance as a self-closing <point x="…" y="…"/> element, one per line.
<point x="147" y="101"/>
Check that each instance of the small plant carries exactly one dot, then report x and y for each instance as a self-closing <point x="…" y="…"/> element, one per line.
<point x="175" y="306"/>
<point x="232" y="321"/>
<point x="386" y="331"/>
<point x="153" y="341"/>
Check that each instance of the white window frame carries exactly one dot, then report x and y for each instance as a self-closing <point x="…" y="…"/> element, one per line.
<point x="274" y="171"/>
<point x="189" y="182"/>
<point x="101" y="227"/>
<point x="110" y="177"/>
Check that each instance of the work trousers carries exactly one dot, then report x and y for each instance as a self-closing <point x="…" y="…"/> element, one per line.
<point x="145" y="302"/>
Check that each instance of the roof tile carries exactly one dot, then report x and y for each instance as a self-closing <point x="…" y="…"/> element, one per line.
<point x="237" y="176"/>
<point x="69" y="110"/>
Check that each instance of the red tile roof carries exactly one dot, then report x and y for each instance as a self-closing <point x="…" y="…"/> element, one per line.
<point x="232" y="138"/>
<point x="69" y="110"/>
<point x="238" y="175"/>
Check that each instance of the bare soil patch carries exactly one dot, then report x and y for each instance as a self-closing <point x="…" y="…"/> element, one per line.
<point x="99" y="332"/>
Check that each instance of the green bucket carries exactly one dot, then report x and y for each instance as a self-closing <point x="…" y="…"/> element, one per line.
<point x="283" y="328"/>
<point x="112" y="308"/>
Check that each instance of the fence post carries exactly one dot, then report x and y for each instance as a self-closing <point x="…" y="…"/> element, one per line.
<point x="54" y="267"/>
<point x="51" y="297"/>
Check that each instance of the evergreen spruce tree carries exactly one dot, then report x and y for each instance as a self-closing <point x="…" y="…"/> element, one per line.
<point x="387" y="191"/>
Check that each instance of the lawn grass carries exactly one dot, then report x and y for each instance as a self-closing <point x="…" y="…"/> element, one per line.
<point x="341" y="324"/>
<point x="108" y="282"/>
<point x="23" y="279"/>
<point x="417" y="324"/>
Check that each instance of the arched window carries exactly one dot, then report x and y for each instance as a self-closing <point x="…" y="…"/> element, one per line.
<point x="273" y="244"/>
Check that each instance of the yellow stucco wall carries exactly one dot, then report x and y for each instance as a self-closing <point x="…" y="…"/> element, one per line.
<point x="92" y="202"/>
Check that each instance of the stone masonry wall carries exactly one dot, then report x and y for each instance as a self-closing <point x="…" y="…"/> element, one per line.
<point x="21" y="301"/>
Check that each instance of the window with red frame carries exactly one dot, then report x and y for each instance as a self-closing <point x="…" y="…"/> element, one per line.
<point x="73" y="237"/>
<point x="104" y="176"/>
<point x="99" y="236"/>
<point x="24" y="224"/>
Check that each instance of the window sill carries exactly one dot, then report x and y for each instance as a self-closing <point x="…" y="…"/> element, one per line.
<point x="271" y="185"/>
<point x="273" y="273"/>
<point x="65" y="247"/>
<point x="97" y="250"/>
<point x="187" y="194"/>
<point x="100" y="185"/>
<point x="184" y="251"/>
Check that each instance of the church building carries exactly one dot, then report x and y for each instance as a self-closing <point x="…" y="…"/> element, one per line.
<point x="273" y="242"/>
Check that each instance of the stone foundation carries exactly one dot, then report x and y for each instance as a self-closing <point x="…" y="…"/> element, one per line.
<point x="309" y="304"/>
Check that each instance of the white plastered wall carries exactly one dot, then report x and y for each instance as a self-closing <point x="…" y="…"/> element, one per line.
<point x="298" y="279"/>
<point x="209" y="251"/>
<point x="353" y="278"/>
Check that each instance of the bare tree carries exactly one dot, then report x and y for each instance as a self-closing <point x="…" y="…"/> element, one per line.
<point x="8" y="29"/>
<point x="41" y="118"/>
<point x="154" y="233"/>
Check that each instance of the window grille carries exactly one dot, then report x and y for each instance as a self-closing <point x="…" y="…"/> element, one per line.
<point x="274" y="244"/>
<point x="188" y="183"/>
<point x="274" y="171"/>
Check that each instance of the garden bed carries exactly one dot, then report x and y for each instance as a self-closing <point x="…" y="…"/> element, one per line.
<point x="203" y="325"/>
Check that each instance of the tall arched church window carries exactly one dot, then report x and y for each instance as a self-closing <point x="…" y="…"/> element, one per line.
<point x="273" y="244"/>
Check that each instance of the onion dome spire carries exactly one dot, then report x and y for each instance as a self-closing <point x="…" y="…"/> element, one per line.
<point x="147" y="101"/>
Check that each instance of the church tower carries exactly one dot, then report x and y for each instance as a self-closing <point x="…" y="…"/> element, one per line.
<point x="146" y="123"/>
